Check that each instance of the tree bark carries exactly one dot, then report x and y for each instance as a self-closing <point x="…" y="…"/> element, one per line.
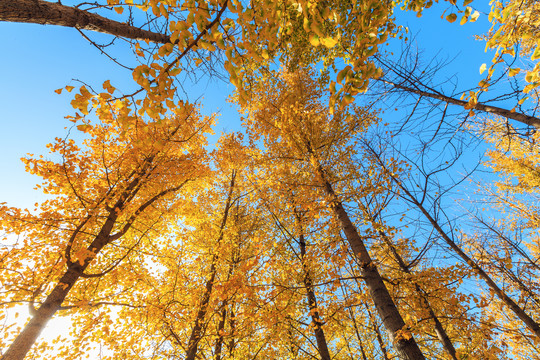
<point x="405" y="346"/>
<point x="49" y="13"/>
<point x="220" y="329"/>
<point x="522" y="118"/>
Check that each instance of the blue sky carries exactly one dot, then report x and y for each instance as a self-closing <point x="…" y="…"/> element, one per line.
<point x="39" y="59"/>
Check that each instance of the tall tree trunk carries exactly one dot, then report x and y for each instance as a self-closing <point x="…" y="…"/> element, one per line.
<point x="522" y="118"/>
<point x="220" y="329"/>
<point x="322" y="345"/>
<point x="49" y="13"/>
<point x="439" y="329"/>
<point x="232" y="325"/>
<point x="405" y="346"/>
<point x="357" y="333"/>
<point x="24" y="341"/>
<point x="533" y="326"/>
<point x="196" y="332"/>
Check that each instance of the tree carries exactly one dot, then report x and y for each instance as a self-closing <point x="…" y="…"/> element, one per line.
<point x="287" y="115"/>
<point x="108" y="195"/>
<point x="449" y="237"/>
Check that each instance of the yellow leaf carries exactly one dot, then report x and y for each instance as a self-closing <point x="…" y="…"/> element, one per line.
<point x="314" y="40"/>
<point x="482" y="68"/>
<point x="84" y="127"/>
<point x="513" y="72"/>
<point x="536" y="54"/>
<point x="329" y="42"/>
<point x="475" y="16"/>
<point x="451" y="18"/>
<point x="69" y="88"/>
<point x="119" y="9"/>
<point x="58" y="91"/>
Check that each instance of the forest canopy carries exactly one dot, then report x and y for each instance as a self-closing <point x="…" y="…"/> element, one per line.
<point x="369" y="206"/>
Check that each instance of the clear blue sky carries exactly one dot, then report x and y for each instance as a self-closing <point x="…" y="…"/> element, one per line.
<point x="38" y="59"/>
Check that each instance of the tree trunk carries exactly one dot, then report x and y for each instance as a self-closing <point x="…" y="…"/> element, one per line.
<point x="24" y="341"/>
<point x="49" y="13"/>
<point x="522" y="118"/>
<point x="439" y="329"/>
<point x="322" y="345"/>
<point x="220" y="329"/>
<point x="196" y="332"/>
<point x="405" y="346"/>
<point x="516" y="309"/>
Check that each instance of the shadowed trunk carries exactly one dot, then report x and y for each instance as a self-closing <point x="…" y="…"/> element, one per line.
<point x="405" y="346"/>
<point x="49" y="13"/>
<point x="220" y="329"/>
<point x="322" y="345"/>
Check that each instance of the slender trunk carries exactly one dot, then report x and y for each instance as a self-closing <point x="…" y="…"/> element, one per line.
<point x="378" y="335"/>
<point x="357" y="332"/>
<point x="52" y="13"/>
<point x="196" y="332"/>
<point x="322" y="345"/>
<point x="232" y="325"/>
<point x="439" y="329"/>
<point x="405" y="346"/>
<point x="514" y="307"/>
<point x="223" y="318"/>
<point x="220" y="329"/>
<point x="525" y="119"/>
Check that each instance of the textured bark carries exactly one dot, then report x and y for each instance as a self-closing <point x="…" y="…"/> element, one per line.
<point x="24" y="341"/>
<point x="196" y="332"/>
<point x="522" y="118"/>
<point x="49" y="13"/>
<point x="407" y="348"/>
<point x="231" y="345"/>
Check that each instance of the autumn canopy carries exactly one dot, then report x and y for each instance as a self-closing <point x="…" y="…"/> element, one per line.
<point x="326" y="227"/>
